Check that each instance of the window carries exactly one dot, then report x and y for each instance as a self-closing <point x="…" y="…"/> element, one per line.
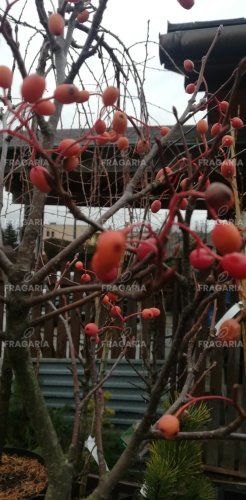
<point x="52" y="234"/>
<point x="47" y="233"/>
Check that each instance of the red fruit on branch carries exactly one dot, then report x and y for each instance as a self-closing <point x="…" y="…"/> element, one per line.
<point x="40" y="178"/>
<point x="202" y="127"/>
<point x="200" y="258"/>
<point x="219" y="195"/>
<point x="155" y="206"/>
<point x="91" y="329"/>
<point x="235" y="264"/>
<point x="79" y="265"/>
<point x="183" y="204"/>
<point x="85" y="278"/>
<point x="190" y="88"/>
<point x="105" y="300"/>
<point x="100" y="126"/>
<point x="147" y="314"/>
<point x="110" y="249"/>
<point x="155" y="311"/>
<point x="83" y="16"/>
<point x="122" y="143"/>
<point x="188" y="65"/>
<point x="228" y="169"/>
<point x="115" y="311"/>
<point x="83" y="96"/>
<point x="105" y="275"/>
<point x="69" y="147"/>
<point x="224" y="105"/>
<point x="110" y="96"/>
<point x="32" y="88"/>
<point x="66" y="93"/>
<point x="168" y="425"/>
<point x="230" y="330"/>
<point x="227" y="141"/>
<point x="226" y="238"/>
<point x="164" y="131"/>
<point x="112" y="296"/>
<point x="236" y="122"/>
<point x="142" y="146"/>
<point x="146" y="247"/>
<point x="6" y="77"/>
<point x="119" y="123"/>
<point x="56" y="24"/>
<point x="44" y="108"/>
<point x="70" y="164"/>
<point x="160" y="176"/>
<point x="215" y="129"/>
<point x="113" y="136"/>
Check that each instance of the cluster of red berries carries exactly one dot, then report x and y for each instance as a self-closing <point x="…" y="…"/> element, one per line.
<point x="85" y="276"/>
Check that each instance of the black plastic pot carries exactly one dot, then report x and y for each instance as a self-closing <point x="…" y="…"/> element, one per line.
<point x="20" y="452"/>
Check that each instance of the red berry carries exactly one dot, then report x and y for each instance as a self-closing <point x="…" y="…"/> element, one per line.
<point x="105" y="275"/>
<point x="44" y="108"/>
<point x="227" y="238"/>
<point x="119" y="123"/>
<point x="190" y="88"/>
<point x="201" y="258"/>
<point x="227" y="141"/>
<point x="230" y="330"/>
<point x="110" y="96"/>
<point x="100" y="126"/>
<point x="202" y="127"/>
<point x="6" y="77"/>
<point x="147" y="314"/>
<point x="188" y="65"/>
<point x="66" y="93"/>
<point x="224" y="105"/>
<point x="79" y="265"/>
<point x="112" y="297"/>
<point x="91" y="329"/>
<point x="69" y="147"/>
<point x="183" y="204"/>
<point x="235" y="264"/>
<point x="155" y="206"/>
<point x="236" y="122"/>
<point x="215" y="129"/>
<point x="164" y="131"/>
<point x="123" y="143"/>
<point x="228" y="169"/>
<point x="168" y="425"/>
<point x="83" y="16"/>
<point x="85" y="278"/>
<point x="155" y="311"/>
<point x="115" y="311"/>
<point x="40" y="178"/>
<point x="105" y="300"/>
<point x="160" y="176"/>
<point x="110" y="249"/>
<point x="146" y="247"/>
<point x="32" y="88"/>
<point x="219" y="195"/>
<point x="56" y="24"/>
<point x="142" y="146"/>
<point x="70" y="164"/>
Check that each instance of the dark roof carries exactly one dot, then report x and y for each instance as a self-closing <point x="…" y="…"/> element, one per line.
<point x="131" y="134"/>
<point x="192" y="41"/>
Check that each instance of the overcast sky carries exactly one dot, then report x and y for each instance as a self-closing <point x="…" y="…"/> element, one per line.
<point x="128" y="19"/>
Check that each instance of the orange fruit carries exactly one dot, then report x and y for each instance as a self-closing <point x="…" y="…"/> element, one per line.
<point x="66" y="93"/>
<point x="119" y="123"/>
<point x="32" y="88"/>
<point x="56" y="24"/>
<point x="110" y="96"/>
<point x="6" y="77"/>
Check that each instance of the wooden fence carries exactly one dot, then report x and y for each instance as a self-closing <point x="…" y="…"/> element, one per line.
<point x="53" y="344"/>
